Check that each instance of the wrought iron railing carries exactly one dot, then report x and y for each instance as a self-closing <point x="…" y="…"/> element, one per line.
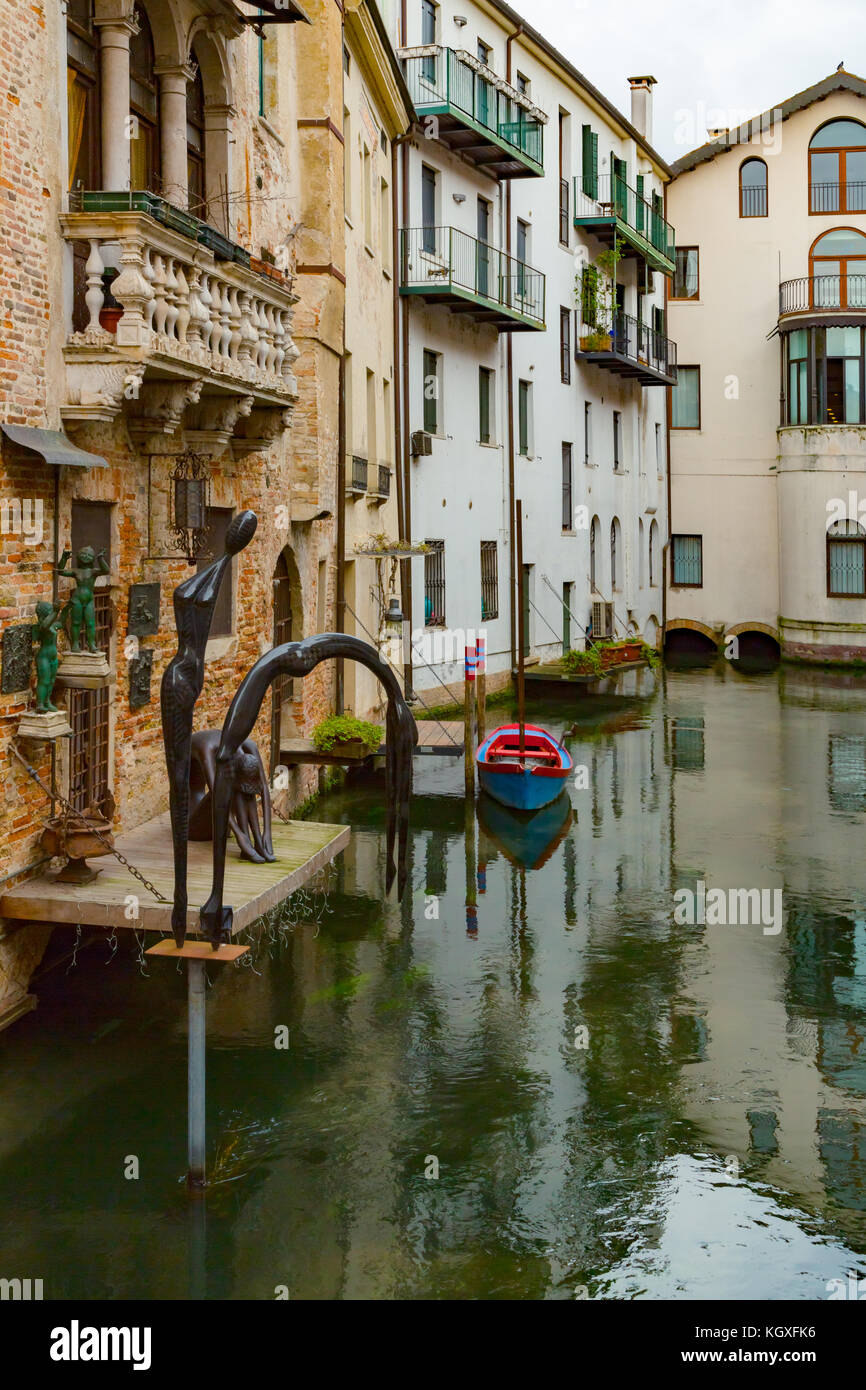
<point x="753" y="201"/>
<point x="383" y="485"/>
<point x="628" y="337"/>
<point x="440" y="77"/>
<point x="822" y="292"/>
<point x="602" y="196"/>
<point x="838" y="197"/>
<point x="359" y="474"/>
<point x="433" y="258"/>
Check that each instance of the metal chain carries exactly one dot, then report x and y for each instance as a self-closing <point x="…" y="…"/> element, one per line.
<point x="57" y="796"/>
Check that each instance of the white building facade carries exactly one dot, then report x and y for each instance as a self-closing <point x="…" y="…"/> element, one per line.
<point x="528" y="377"/>
<point x="768" y="420"/>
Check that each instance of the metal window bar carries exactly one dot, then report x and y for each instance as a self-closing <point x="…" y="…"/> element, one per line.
<point x="446" y="79"/>
<point x="753" y="200"/>
<point x="605" y="195"/>
<point x="359" y="474"/>
<point x="686" y="558"/>
<point x="434" y="584"/>
<point x="822" y="292"/>
<point x="446" y="258"/>
<point x="838" y="197"/>
<point x="88" y="716"/>
<point x="846" y="561"/>
<point x="383" y="487"/>
<point x="489" y="580"/>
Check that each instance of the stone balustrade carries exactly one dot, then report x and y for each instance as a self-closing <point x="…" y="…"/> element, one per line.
<point x="184" y="312"/>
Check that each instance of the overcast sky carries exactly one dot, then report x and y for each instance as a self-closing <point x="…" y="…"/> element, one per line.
<point x="734" y="58"/>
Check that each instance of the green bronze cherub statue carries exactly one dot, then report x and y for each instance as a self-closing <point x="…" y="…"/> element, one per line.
<point x="44" y="631"/>
<point x="86" y="570"/>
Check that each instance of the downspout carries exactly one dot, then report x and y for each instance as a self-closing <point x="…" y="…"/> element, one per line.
<point x="341" y="518"/>
<point x="668" y="404"/>
<point x="513" y="578"/>
<point x="406" y="567"/>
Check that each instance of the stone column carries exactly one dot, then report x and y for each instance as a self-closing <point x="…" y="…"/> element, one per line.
<point x="218" y="120"/>
<point x="172" y="90"/>
<point x="114" y="36"/>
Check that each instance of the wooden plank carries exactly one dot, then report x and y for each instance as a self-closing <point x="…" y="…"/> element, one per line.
<point x="301" y="847"/>
<point x="195" y="950"/>
<point x="303" y="750"/>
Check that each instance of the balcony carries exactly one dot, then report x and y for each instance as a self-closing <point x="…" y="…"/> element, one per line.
<point x="445" y="266"/>
<point x="839" y="297"/>
<point x="634" y="350"/>
<point x="479" y="115"/>
<point x="196" y="324"/>
<point x="838" y="197"/>
<point x="610" y="208"/>
<point x="383" y="482"/>
<point x="358" y="476"/>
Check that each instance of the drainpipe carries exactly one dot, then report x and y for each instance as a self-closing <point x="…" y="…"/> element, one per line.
<point x="668" y="404"/>
<point x="340" y="614"/>
<point x="514" y="578"/>
<point x="406" y="566"/>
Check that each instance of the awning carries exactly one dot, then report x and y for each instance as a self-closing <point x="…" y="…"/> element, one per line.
<point x="53" y="446"/>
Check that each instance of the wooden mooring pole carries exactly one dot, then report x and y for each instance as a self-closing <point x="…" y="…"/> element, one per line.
<point x="481" y="653"/>
<point x="469" y="743"/>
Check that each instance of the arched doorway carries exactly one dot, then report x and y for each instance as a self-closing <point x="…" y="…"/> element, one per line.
<point x="282" y="690"/>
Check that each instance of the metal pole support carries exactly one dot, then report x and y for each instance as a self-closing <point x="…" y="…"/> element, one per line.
<point x="196" y="985"/>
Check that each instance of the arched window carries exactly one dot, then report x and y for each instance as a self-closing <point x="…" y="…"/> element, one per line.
<point x="753" y="188"/>
<point x="837" y="168"/>
<point x="614" y="557"/>
<point x="640" y="554"/>
<point x="593" y="551"/>
<point x="653" y="554"/>
<point x="837" y="266"/>
<point x="144" y="107"/>
<point x="195" y="145"/>
<point x="846" y="559"/>
<point x="82" y="95"/>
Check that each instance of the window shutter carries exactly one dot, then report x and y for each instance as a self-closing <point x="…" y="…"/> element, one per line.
<point x="639" y="208"/>
<point x="590" y="162"/>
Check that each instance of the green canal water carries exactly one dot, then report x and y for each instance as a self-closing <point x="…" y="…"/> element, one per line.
<point x="576" y="1096"/>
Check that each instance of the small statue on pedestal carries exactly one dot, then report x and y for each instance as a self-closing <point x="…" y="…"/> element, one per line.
<point x="86" y="570"/>
<point x="45" y="629"/>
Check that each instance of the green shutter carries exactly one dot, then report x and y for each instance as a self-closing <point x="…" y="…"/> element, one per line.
<point x="431" y="386"/>
<point x="639" y="205"/>
<point x="523" y="412"/>
<point x="484" y="405"/>
<point x="619" y="176"/>
<point x="590" y="162"/>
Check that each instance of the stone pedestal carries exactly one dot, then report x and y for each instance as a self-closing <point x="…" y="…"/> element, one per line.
<point x="47" y="727"/>
<point x="84" y="670"/>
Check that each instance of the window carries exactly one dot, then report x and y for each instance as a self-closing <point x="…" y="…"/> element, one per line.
<point x="432" y="365"/>
<point x="846" y="560"/>
<point x="82" y="97"/>
<point x="565" y="345"/>
<point x="428" y="36"/>
<point x="686" y="280"/>
<point x="522" y="84"/>
<point x="564" y="164"/>
<point x="347" y="163"/>
<point x="485" y="402"/>
<point x="218" y="521"/>
<point x="593" y="551"/>
<point x="653" y="554"/>
<point x="489" y="580"/>
<point x="837" y="168"/>
<point x="687" y="564"/>
<point x="195" y="148"/>
<point x="524" y="411"/>
<point x="617" y="440"/>
<point x="659" y="455"/>
<point x="522" y="256"/>
<point x="614" y="554"/>
<point x="590" y="162"/>
<point x="641" y="555"/>
<point x="484" y="53"/>
<point x="144" y="106"/>
<point x="567" y="489"/>
<point x="686" y="399"/>
<point x="837" y="267"/>
<point x="428" y="209"/>
<point x="385" y="218"/>
<point x="823" y="376"/>
<point x="434" y="584"/>
<point x="483" y="213"/>
<point x="587" y="432"/>
<point x="753" y="188"/>
<point x="367" y="195"/>
<point x="372" y="441"/>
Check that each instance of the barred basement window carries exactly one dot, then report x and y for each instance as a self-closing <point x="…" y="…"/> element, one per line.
<point x="489" y="580"/>
<point x="687" y="561"/>
<point x="434" y="584"/>
<point x="846" y="560"/>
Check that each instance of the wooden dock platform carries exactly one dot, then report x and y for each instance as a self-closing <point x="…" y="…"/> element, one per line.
<point x="301" y="847"/>
<point x="553" y="671"/>
<point x="435" y="739"/>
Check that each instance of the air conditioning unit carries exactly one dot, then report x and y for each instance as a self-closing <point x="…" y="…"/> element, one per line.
<point x="602" y="618"/>
<point x="420" y="444"/>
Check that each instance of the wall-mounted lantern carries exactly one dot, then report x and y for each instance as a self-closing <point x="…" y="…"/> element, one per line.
<point x="191" y="484"/>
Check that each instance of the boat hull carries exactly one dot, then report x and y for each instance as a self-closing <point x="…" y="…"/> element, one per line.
<point x="528" y="786"/>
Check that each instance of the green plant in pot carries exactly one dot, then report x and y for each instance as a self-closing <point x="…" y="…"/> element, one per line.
<point x="595" y="292"/>
<point x="343" y="733"/>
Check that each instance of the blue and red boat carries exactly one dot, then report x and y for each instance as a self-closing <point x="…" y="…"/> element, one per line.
<point x="523" y="766"/>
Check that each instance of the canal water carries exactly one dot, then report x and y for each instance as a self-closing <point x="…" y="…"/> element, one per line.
<point x="572" y="1094"/>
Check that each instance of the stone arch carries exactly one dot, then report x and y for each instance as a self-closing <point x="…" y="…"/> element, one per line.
<point x="689" y="641"/>
<point x="168" y="28"/>
<point x="751" y="627"/>
<point x="690" y="625"/>
<point x="208" y="51"/>
<point x="652" y="631"/>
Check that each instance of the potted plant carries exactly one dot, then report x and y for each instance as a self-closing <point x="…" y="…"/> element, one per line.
<point x="587" y="663"/>
<point x="595" y="291"/>
<point x="345" y="736"/>
<point x="112" y="311"/>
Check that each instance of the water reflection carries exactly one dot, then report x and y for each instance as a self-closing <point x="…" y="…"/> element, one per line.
<point x="613" y="1103"/>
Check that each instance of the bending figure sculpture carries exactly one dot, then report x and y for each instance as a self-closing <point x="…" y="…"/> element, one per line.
<point x="254" y="841"/>
<point x="194" y="603"/>
<point x="299" y="659"/>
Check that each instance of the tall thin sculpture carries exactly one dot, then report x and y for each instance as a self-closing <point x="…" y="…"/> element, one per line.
<point x="299" y="659"/>
<point x="194" y="603"/>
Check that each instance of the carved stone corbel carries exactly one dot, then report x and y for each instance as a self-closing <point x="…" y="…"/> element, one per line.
<point x="160" y="406"/>
<point x="96" y="390"/>
<point x="210" y="424"/>
<point x="259" y="430"/>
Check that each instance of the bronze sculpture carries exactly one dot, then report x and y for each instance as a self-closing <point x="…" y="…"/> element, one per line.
<point x="194" y="603"/>
<point x="251" y="782"/>
<point x="44" y="631"/>
<point x="299" y="659"/>
<point x="86" y="570"/>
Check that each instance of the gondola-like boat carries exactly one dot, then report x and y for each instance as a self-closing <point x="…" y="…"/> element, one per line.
<point x="524" y="778"/>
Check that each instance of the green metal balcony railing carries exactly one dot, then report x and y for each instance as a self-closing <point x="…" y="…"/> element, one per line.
<point x="441" y="81"/>
<point x="445" y="263"/>
<point x="603" y="204"/>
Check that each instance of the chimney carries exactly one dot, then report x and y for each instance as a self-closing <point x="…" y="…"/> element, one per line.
<point x="642" y="105"/>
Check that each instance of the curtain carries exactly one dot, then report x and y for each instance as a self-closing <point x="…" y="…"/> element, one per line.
<point x="76" y="101"/>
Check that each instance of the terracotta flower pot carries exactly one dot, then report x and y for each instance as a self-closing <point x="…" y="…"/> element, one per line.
<point x="109" y="319"/>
